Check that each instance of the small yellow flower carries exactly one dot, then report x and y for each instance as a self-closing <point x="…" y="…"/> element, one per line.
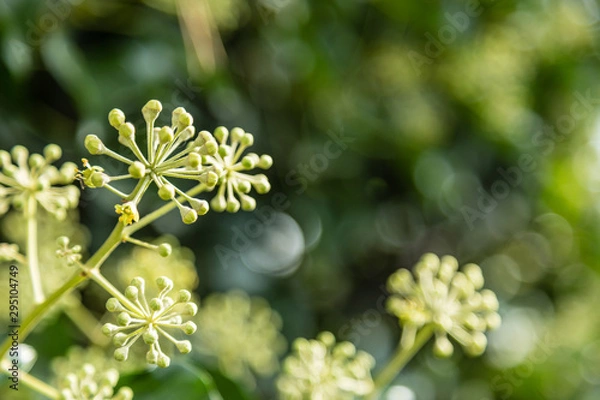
<point x="128" y="213"/>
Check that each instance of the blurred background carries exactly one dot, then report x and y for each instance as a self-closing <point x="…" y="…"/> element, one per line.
<point x="396" y="128"/>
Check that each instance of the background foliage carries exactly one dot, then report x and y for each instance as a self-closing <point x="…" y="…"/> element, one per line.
<point x="397" y="128"/>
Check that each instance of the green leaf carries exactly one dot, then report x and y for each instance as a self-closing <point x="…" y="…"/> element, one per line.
<point x="179" y="381"/>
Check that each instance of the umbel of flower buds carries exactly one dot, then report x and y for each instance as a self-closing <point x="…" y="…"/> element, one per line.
<point x="88" y="383"/>
<point x="322" y="369"/>
<point x="176" y="152"/>
<point x="24" y="176"/>
<point x="150" y="319"/>
<point x="450" y="301"/>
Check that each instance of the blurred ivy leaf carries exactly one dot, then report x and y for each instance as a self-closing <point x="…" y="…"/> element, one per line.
<point x="179" y="381"/>
<point x="228" y="388"/>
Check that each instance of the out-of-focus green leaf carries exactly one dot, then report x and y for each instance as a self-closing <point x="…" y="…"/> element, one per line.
<point x="178" y="382"/>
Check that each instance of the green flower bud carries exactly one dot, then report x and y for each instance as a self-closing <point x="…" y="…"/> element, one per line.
<point x="221" y="133"/>
<point x="194" y="160"/>
<point x="150" y="336"/>
<point x="62" y="241"/>
<point x="125" y="393"/>
<point x="109" y="329"/>
<point x="189" y="327"/>
<point x="237" y="134"/>
<point x="185" y="119"/>
<point x="52" y="152"/>
<point x="477" y="345"/>
<point x="137" y="170"/>
<point x="113" y="305"/>
<point x="132" y="293"/>
<point x="166" y="192"/>
<point x="165" y="135"/>
<point x="473" y="273"/>
<point x="163" y="361"/>
<point x="184" y="296"/>
<point x="247" y="139"/>
<point x="164" y="283"/>
<point x="151" y="356"/>
<point x="121" y="353"/>
<point x="20" y="154"/>
<point x="190" y="309"/>
<point x="188" y="215"/>
<point x="250" y="160"/>
<point x="99" y="179"/>
<point x="262" y="186"/>
<point x="184" y="346"/>
<point x="119" y="339"/>
<point x="233" y="205"/>
<point x="248" y="203"/>
<point x="123" y="319"/>
<point x="443" y="348"/>
<point x="493" y="321"/>
<point x="116" y="118"/>
<point x="265" y="162"/>
<point x="36" y="161"/>
<point x="210" y="148"/>
<point x="94" y="145"/>
<point x="200" y="206"/>
<point x="127" y="131"/>
<point x="155" y="304"/>
<point x="151" y="110"/>
<point x="223" y="150"/>
<point x="138" y="282"/>
<point x="244" y="186"/>
<point x="165" y="249"/>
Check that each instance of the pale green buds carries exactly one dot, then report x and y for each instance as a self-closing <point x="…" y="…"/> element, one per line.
<point x="116" y="118"/>
<point x="165" y="249"/>
<point x="52" y="152"/>
<point x="448" y="300"/>
<point x="127" y="131"/>
<point x="166" y="192"/>
<point x="321" y="366"/>
<point x="151" y="110"/>
<point x="165" y="135"/>
<point x="150" y="319"/>
<point x="188" y="215"/>
<point x="137" y="170"/>
<point x="89" y="383"/>
<point x="26" y="175"/>
<point x="174" y="152"/>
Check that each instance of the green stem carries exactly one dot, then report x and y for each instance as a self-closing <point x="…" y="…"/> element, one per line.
<point x="93" y="263"/>
<point x="91" y="266"/>
<point x="106" y="285"/>
<point x="32" y="250"/>
<point x="399" y="361"/>
<point x="32" y="382"/>
<point x="156" y="214"/>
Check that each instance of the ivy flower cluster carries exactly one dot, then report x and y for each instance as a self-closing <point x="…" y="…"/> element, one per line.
<point x="242" y="333"/>
<point x="321" y="369"/>
<point x="450" y="301"/>
<point x="90" y="384"/>
<point x="150" y="319"/>
<point x="34" y="176"/>
<point x="176" y="152"/>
